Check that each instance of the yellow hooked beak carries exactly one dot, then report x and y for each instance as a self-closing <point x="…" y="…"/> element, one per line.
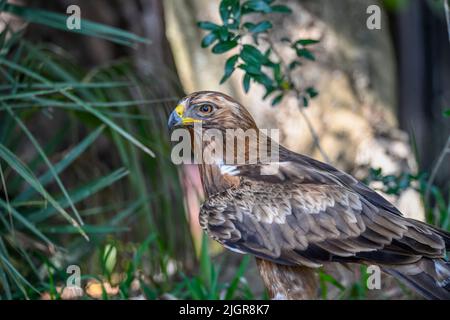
<point x="177" y="117"/>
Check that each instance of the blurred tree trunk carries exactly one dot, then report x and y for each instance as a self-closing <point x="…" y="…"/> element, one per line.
<point x="422" y="42"/>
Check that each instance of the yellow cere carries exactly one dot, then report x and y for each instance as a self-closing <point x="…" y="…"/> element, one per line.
<point x="180" y="112"/>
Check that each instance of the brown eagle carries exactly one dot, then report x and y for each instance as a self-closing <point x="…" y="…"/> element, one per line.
<point x="298" y="214"/>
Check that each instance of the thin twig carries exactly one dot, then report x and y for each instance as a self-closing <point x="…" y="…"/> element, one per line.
<point x="8" y="204"/>
<point x="446" y="149"/>
<point x="444" y="152"/>
<point x="447" y="16"/>
<point x="314" y="135"/>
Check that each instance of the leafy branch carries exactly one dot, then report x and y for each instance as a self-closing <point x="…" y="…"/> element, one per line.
<point x="267" y="67"/>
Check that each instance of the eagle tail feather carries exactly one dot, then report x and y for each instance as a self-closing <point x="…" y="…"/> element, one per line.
<point x="429" y="277"/>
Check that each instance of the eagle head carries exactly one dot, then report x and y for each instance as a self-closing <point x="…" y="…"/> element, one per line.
<point x="212" y="110"/>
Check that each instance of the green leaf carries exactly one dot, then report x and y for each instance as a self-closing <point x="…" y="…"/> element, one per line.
<point x="305" y="101"/>
<point x="268" y="92"/>
<point x="222" y="47"/>
<point x="209" y="39"/>
<point x="447" y="113"/>
<point x="277" y="73"/>
<point x="305" y="54"/>
<point x="246" y="82"/>
<point x="281" y="9"/>
<point x="256" y="6"/>
<point x="277" y="100"/>
<point x="259" y="27"/>
<point x="224" y="34"/>
<point x="251" y="69"/>
<point x="249" y="25"/>
<point x="294" y="64"/>
<point x="306" y="42"/>
<point x="206" y="25"/>
<point x="252" y="56"/>
<point x="312" y="92"/>
<point x="229" y="67"/>
<point x="230" y="12"/>
<point x="264" y="80"/>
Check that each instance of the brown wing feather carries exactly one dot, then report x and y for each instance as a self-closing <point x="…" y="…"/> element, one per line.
<point x="300" y="222"/>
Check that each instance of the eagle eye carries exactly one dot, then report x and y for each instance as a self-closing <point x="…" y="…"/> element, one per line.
<point x="205" y="108"/>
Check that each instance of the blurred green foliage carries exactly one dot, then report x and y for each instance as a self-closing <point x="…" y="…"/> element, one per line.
<point x="436" y="203"/>
<point x="245" y="29"/>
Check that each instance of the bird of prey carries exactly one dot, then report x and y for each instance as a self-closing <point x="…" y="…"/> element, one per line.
<point x="302" y="213"/>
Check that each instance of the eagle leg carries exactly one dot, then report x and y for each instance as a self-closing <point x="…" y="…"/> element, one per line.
<point x="288" y="282"/>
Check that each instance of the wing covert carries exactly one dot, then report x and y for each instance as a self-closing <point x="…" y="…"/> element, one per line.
<point x="309" y="224"/>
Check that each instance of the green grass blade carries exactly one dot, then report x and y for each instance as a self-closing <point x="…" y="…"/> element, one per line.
<point x="85" y="105"/>
<point x="29" y="94"/>
<point x="64" y="163"/>
<point x="5" y="285"/>
<point x="55" y="175"/>
<point x="17" y="277"/>
<point x="230" y="293"/>
<point x="110" y="123"/>
<point x="128" y="211"/>
<point x="89" y="229"/>
<point x="68" y="84"/>
<point x="205" y="262"/>
<point x="58" y="21"/>
<point x="29" y="225"/>
<point x="80" y="194"/>
<point x="17" y="165"/>
<point x="45" y="103"/>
